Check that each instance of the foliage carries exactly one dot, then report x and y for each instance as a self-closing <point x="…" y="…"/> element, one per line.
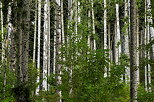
<point x="10" y="81"/>
<point x="144" y="96"/>
<point x="83" y="72"/>
<point x="47" y="96"/>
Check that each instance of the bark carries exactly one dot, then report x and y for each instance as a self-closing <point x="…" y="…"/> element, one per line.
<point x="3" y="51"/>
<point x="10" y="27"/>
<point x="149" y="20"/>
<point x="117" y="41"/>
<point x="55" y="40"/>
<point x="2" y="35"/>
<point x="10" y="38"/>
<point x="105" y="25"/>
<point x="93" y="24"/>
<point x="35" y="31"/>
<point x="105" y="32"/>
<point x="132" y="47"/>
<point x="39" y="35"/>
<point x="23" y="26"/>
<point x="145" y="42"/>
<point x="126" y="46"/>
<point x="89" y="25"/>
<point x="137" y="45"/>
<point x="45" y="45"/>
<point x="70" y="14"/>
<point x="59" y="37"/>
<point x="110" y="49"/>
<point x="49" y="66"/>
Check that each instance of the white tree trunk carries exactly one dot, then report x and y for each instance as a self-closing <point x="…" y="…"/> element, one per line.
<point x="39" y="35"/>
<point x="62" y="22"/>
<point x="149" y="20"/>
<point x="3" y="51"/>
<point x="89" y="25"/>
<point x="105" y="32"/>
<point x="93" y="24"/>
<point x="55" y="40"/>
<point x="2" y="32"/>
<point x="126" y="39"/>
<point x="110" y="49"/>
<point x="59" y="36"/>
<point x="70" y="9"/>
<point x="45" y="44"/>
<point x="105" y="25"/>
<point x="118" y="41"/>
<point x="145" y="42"/>
<point x="137" y="45"/>
<point x="10" y="27"/>
<point x="49" y="66"/>
<point x="35" y="29"/>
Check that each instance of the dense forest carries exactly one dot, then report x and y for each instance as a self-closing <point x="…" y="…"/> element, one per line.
<point x="76" y="51"/>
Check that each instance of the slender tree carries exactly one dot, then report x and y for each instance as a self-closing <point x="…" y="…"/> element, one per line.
<point x="49" y="44"/>
<point x="149" y="22"/>
<point x="24" y="27"/>
<point x="3" y="50"/>
<point x="39" y="35"/>
<point x="45" y="44"/>
<point x="35" y="31"/>
<point x="93" y="24"/>
<point x="117" y="36"/>
<point x="126" y="39"/>
<point x="132" y="47"/>
<point x="145" y="42"/>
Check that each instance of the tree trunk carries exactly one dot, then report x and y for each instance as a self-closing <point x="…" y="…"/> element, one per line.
<point x="149" y="20"/>
<point x="39" y="35"/>
<point x="35" y="31"/>
<point x="2" y="35"/>
<point x="59" y="37"/>
<point x="45" y="45"/>
<point x="49" y="66"/>
<point x="133" y="47"/>
<point x="105" y="32"/>
<point x="105" y="25"/>
<point x="126" y="38"/>
<point x="145" y="53"/>
<point x="24" y="26"/>
<point x="93" y="24"/>
<point x="3" y="51"/>
<point x="118" y="41"/>
<point x="10" y="39"/>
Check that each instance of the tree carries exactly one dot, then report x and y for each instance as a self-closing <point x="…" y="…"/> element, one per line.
<point x="39" y="35"/>
<point x="132" y="47"/>
<point x="3" y="50"/>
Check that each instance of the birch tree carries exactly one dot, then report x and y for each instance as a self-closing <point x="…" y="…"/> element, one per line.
<point x="126" y="46"/>
<point x="105" y="25"/>
<point x="105" y="31"/>
<point x="145" y="42"/>
<point x="149" y="33"/>
<point x="2" y="33"/>
<point x="117" y="36"/>
<point x="49" y="65"/>
<point x="35" y="31"/>
<point x="10" y="38"/>
<point x="3" y="50"/>
<point x="59" y="40"/>
<point x="39" y="35"/>
<point x="45" y="44"/>
<point x="93" y="24"/>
